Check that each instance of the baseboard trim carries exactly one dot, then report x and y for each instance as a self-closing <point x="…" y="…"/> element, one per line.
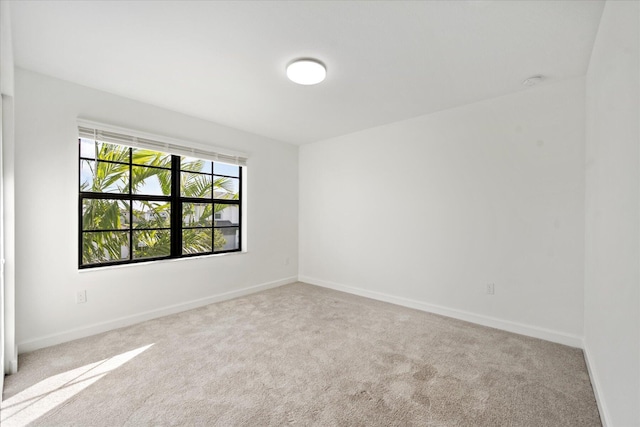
<point x="96" y="328"/>
<point x="595" y="384"/>
<point x="10" y="365"/>
<point x="505" y="325"/>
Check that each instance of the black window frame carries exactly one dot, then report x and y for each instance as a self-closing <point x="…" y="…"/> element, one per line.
<point x="176" y="220"/>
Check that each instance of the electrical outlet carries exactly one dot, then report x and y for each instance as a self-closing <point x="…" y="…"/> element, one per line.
<point x="81" y="297"/>
<point x="490" y="289"/>
<point x="286" y="261"/>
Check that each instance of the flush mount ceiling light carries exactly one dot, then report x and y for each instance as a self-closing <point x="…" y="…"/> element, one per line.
<point x="533" y="80"/>
<point x="306" y="71"/>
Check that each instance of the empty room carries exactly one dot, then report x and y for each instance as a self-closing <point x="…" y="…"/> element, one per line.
<point x="320" y="213"/>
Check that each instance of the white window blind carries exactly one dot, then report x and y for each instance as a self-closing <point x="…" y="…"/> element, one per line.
<point x="131" y="138"/>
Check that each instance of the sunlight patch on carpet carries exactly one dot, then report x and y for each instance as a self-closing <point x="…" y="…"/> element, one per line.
<point x="32" y="403"/>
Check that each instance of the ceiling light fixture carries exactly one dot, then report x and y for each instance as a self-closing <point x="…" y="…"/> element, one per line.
<point x="306" y="71"/>
<point x="533" y="80"/>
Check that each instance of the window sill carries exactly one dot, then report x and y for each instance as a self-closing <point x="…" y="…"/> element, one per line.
<point x="158" y="261"/>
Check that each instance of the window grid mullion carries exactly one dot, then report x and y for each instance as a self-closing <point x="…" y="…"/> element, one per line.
<point x="130" y="206"/>
<point x="176" y="208"/>
<point x="239" y="209"/>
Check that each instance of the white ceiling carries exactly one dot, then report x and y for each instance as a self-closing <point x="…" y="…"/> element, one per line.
<point x="225" y="61"/>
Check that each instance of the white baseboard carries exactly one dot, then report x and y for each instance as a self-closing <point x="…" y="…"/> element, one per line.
<point x="96" y="328"/>
<point x="595" y="383"/>
<point x="505" y="325"/>
<point x="13" y="364"/>
<point x="10" y="366"/>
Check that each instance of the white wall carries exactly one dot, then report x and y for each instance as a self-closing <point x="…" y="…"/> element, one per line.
<point x="8" y="348"/>
<point x="6" y="51"/>
<point x="428" y="211"/>
<point x="46" y="178"/>
<point x="612" y="276"/>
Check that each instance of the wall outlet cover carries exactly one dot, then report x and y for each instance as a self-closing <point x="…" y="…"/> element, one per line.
<point x="81" y="297"/>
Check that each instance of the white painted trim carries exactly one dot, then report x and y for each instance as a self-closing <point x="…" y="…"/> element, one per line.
<point x="595" y="384"/>
<point x="96" y="328"/>
<point x="492" y="322"/>
<point x="190" y="258"/>
<point x="13" y="363"/>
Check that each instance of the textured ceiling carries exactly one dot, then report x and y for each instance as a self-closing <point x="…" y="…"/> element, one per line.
<point x="225" y="61"/>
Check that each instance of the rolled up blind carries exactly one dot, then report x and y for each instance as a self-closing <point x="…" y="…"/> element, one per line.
<point x="131" y="138"/>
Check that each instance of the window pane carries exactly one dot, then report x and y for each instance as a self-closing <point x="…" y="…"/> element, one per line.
<point x="151" y="243"/>
<point x="196" y="240"/>
<point x="88" y="148"/>
<point x="105" y="214"/>
<point x="112" y="152"/>
<point x="225" y="188"/>
<point x="197" y="214"/>
<point x="150" y="158"/>
<point x="226" y="215"/>
<point x="101" y="177"/>
<point x="105" y="246"/>
<point x="151" y="181"/>
<point x="148" y="214"/>
<point x="226" y="239"/>
<point x="86" y="175"/>
<point x="195" y="165"/>
<point x="195" y="185"/>
<point x="226" y="169"/>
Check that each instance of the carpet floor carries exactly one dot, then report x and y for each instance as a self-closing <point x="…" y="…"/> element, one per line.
<point x="302" y="355"/>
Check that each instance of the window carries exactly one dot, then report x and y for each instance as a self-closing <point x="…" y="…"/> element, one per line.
<point x="137" y="204"/>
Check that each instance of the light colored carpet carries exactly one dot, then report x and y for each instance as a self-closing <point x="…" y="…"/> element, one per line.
<point x="302" y="355"/>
